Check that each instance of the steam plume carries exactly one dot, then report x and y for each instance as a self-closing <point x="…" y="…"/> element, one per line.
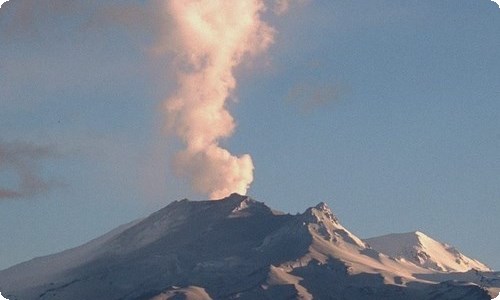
<point x="212" y="37"/>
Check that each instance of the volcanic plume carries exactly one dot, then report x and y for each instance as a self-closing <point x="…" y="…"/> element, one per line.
<point x="210" y="39"/>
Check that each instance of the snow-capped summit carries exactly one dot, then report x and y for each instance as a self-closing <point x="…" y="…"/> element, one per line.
<point x="238" y="248"/>
<point x="322" y="207"/>
<point x="323" y="223"/>
<point x="422" y="250"/>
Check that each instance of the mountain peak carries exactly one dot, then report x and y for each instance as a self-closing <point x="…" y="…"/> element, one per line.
<point x="235" y="197"/>
<point x="320" y="212"/>
<point x="323" y="207"/>
<point x="422" y="250"/>
<point x="238" y="248"/>
<point x="419" y="233"/>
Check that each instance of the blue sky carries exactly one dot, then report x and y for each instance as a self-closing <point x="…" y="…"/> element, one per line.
<point x="389" y="111"/>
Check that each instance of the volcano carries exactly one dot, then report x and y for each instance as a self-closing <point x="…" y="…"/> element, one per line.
<point x="239" y="248"/>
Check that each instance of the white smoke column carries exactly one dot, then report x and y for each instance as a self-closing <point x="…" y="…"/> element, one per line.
<point x="211" y="37"/>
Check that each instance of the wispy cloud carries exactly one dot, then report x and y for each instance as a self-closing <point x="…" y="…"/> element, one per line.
<point x="282" y="6"/>
<point x="309" y="97"/>
<point x="22" y="160"/>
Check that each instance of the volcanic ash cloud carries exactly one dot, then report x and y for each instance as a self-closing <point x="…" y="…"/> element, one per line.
<point x="211" y="38"/>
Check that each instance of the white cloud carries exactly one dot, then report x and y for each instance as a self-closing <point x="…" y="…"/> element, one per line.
<point x="1" y="297"/>
<point x="1" y="3"/>
<point x="498" y="3"/>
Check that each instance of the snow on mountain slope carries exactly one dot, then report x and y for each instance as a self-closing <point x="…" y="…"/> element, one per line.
<point x="190" y="292"/>
<point x="418" y="248"/>
<point x="328" y="238"/>
<point x="38" y="270"/>
<point x="237" y="248"/>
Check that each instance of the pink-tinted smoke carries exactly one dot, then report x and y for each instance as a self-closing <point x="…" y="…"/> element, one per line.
<point x="210" y="38"/>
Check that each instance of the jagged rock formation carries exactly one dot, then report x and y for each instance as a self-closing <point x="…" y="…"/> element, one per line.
<point x="238" y="248"/>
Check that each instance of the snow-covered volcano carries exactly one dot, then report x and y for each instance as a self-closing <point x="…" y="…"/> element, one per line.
<point x="424" y="251"/>
<point x="237" y="248"/>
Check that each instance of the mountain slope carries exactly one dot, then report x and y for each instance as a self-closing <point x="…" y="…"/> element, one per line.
<point x="236" y="248"/>
<point x="424" y="251"/>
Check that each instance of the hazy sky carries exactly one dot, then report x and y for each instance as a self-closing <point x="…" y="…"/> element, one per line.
<point x="389" y="111"/>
